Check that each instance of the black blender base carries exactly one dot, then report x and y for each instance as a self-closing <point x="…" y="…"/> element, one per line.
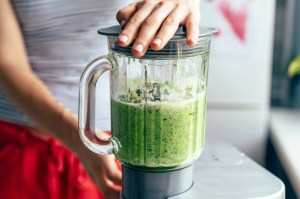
<point x="152" y="185"/>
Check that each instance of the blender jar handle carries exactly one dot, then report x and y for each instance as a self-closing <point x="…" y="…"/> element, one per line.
<point x="86" y="122"/>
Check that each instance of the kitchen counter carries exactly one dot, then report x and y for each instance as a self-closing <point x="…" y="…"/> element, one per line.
<point x="224" y="172"/>
<point x="285" y="136"/>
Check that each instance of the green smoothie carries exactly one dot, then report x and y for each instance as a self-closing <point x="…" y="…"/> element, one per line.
<point x="158" y="134"/>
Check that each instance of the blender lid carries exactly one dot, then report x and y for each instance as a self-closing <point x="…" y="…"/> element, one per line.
<point x="180" y="33"/>
<point x="170" y="50"/>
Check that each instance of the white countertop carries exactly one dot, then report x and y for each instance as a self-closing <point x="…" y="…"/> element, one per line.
<point x="285" y="135"/>
<point x="224" y="172"/>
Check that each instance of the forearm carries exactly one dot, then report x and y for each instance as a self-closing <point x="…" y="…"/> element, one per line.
<point x="33" y="98"/>
<point x="26" y="90"/>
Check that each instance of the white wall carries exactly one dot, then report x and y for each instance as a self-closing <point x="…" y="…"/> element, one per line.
<point x="239" y="75"/>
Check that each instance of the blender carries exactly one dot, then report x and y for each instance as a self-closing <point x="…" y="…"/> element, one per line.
<point x="158" y="105"/>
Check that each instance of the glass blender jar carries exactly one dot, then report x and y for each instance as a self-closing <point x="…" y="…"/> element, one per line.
<point x="158" y="105"/>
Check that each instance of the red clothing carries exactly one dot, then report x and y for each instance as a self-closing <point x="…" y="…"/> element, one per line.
<point x="34" y="167"/>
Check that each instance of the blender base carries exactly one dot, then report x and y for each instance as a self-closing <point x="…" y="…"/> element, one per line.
<point x="221" y="172"/>
<point x="160" y="185"/>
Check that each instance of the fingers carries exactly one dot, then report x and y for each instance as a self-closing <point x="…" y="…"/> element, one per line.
<point x="192" y="27"/>
<point x="125" y="14"/>
<point x="103" y="171"/>
<point x="107" y="176"/>
<point x="151" y="26"/>
<point x="108" y="188"/>
<point x="154" y="22"/>
<point x="134" y="23"/>
<point x="112" y="171"/>
<point x="169" y="27"/>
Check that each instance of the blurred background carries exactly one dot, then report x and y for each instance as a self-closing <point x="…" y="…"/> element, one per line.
<point x="253" y="103"/>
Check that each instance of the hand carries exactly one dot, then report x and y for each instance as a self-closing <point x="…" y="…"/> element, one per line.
<point x="103" y="170"/>
<point x="154" y="22"/>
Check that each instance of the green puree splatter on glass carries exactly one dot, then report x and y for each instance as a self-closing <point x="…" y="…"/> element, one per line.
<point x="159" y="134"/>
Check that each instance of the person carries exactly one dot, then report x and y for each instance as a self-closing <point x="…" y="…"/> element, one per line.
<point x="44" y="46"/>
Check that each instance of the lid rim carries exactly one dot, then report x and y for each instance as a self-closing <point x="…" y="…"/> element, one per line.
<point x="114" y="31"/>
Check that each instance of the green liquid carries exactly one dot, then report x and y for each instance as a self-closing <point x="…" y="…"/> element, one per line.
<point x="158" y="134"/>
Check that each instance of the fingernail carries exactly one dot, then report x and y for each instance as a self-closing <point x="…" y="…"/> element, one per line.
<point x="139" y="48"/>
<point x="193" y="39"/>
<point x="122" y="23"/>
<point x="123" y="38"/>
<point x="157" y="41"/>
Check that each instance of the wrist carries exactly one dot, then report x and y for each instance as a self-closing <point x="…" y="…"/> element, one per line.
<point x="67" y="131"/>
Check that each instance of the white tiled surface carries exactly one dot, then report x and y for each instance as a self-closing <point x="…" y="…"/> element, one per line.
<point x="243" y="128"/>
